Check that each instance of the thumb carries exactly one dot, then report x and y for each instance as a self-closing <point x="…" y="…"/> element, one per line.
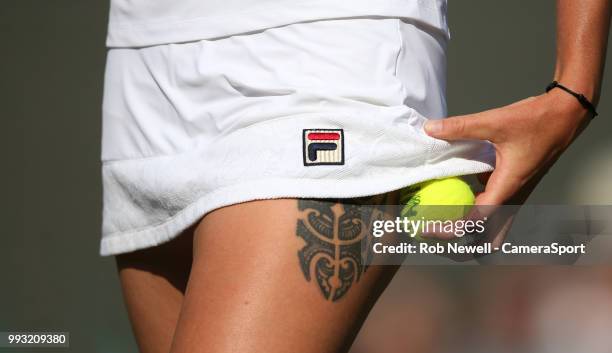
<point x="465" y="127"/>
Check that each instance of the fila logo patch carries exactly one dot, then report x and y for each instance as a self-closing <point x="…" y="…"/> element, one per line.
<point x="323" y="147"/>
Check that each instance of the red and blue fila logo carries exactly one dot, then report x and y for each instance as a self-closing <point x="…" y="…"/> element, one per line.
<point x="323" y="147"/>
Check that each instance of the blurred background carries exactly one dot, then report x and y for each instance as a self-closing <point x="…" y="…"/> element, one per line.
<point x="52" y="62"/>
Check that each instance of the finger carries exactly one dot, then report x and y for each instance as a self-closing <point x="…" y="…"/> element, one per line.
<point x="488" y="203"/>
<point x="466" y="127"/>
<point x="499" y="189"/>
<point x="500" y="237"/>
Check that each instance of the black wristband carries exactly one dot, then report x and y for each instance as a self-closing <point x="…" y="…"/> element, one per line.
<point x="580" y="97"/>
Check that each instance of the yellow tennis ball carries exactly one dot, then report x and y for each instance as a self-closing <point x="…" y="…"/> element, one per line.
<point x="442" y="200"/>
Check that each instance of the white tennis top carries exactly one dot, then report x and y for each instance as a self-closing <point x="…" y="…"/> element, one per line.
<point x="138" y="23"/>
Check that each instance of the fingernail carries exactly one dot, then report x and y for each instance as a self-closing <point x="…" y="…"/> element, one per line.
<point x="433" y="126"/>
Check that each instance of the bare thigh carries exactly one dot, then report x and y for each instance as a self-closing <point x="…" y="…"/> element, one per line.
<point x="278" y="276"/>
<point x="153" y="282"/>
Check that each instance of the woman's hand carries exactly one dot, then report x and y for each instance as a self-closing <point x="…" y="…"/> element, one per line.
<point x="529" y="136"/>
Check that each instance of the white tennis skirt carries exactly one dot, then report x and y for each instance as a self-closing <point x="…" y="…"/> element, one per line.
<point x="321" y="109"/>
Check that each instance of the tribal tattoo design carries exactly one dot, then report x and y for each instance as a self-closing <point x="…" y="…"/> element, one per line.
<point x="337" y="235"/>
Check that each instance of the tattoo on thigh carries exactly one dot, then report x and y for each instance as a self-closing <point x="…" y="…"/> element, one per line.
<point x="334" y="232"/>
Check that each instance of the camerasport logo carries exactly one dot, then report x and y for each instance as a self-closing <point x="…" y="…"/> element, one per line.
<point x="323" y="147"/>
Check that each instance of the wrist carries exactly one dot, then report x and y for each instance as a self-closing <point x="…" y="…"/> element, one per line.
<point x="585" y="86"/>
<point x="582" y="100"/>
<point x="561" y="103"/>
